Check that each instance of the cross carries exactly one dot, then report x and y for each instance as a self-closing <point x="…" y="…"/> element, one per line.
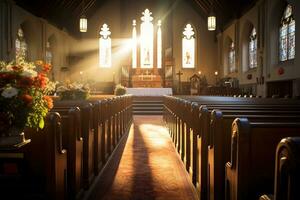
<point x="179" y="74"/>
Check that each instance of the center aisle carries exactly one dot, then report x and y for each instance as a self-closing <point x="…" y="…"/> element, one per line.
<point x="145" y="166"/>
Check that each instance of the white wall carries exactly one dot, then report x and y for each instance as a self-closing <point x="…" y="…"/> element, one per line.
<point x="265" y="17"/>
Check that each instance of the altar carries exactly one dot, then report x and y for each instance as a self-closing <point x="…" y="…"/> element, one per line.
<point x="146" y="79"/>
<point x="149" y="91"/>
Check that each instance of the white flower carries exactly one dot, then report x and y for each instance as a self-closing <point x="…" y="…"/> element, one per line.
<point x="61" y="89"/>
<point x="75" y="86"/>
<point x="9" y="92"/>
<point x="6" y="68"/>
<point x="29" y="73"/>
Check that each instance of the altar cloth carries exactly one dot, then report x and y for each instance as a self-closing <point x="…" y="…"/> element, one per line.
<point x="149" y="91"/>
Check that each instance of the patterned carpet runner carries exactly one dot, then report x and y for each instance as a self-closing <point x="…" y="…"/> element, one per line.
<point x="145" y="166"/>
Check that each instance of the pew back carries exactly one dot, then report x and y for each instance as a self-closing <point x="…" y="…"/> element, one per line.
<point x="250" y="171"/>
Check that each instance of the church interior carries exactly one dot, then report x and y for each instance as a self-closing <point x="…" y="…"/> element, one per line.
<point x="149" y="99"/>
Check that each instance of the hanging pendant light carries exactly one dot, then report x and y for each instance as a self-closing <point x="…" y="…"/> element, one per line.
<point x="83" y="24"/>
<point x="83" y="21"/>
<point x="211" y="22"/>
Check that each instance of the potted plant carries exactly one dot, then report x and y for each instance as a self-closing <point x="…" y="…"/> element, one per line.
<point x="23" y="99"/>
<point x="120" y="90"/>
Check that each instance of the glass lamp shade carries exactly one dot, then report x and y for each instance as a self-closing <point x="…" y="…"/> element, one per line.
<point x="83" y="24"/>
<point x="211" y="22"/>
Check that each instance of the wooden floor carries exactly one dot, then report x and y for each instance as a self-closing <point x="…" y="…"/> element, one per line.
<point x="145" y="166"/>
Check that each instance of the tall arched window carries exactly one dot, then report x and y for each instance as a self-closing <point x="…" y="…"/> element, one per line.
<point x="253" y="49"/>
<point x="21" y="46"/>
<point x="146" y="40"/>
<point x="287" y="35"/>
<point x="231" y="58"/>
<point x="188" y="47"/>
<point x="159" y="45"/>
<point x="49" y="55"/>
<point x="134" y="45"/>
<point x="105" y="47"/>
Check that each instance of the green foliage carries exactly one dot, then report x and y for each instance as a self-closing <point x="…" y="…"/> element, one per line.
<point x="23" y="95"/>
<point x="120" y="90"/>
<point x="74" y="91"/>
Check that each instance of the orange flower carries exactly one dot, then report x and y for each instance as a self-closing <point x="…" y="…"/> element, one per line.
<point x="49" y="102"/>
<point x="26" y="98"/>
<point x="41" y="80"/>
<point x="46" y="68"/>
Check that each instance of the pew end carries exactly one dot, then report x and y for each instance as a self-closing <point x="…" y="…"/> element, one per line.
<point x="249" y="172"/>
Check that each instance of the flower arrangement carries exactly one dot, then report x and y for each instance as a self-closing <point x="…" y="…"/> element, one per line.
<point x="120" y="90"/>
<point x="23" y="95"/>
<point x="73" y="91"/>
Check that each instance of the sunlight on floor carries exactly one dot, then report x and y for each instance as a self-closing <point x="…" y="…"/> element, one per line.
<point x="149" y="167"/>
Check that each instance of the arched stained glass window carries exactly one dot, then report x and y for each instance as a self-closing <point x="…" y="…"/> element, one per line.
<point x="231" y="58"/>
<point x="253" y="49"/>
<point x="188" y="47"/>
<point x="49" y="55"/>
<point x="146" y="40"/>
<point x="287" y="35"/>
<point x="105" y="47"/>
<point x="21" y="46"/>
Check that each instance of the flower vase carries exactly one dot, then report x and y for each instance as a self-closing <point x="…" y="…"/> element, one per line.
<point x="14" y="138"/>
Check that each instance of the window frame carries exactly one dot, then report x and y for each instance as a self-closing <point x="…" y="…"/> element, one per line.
<point x="232" y="68"/>
<point x="188" y="34"/>
<point x="252" y="52"/>
<point x="287" y="21"/>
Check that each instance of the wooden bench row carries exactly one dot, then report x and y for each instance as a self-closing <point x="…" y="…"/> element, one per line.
<point x="77" y="141"/>
<point x="203" y="136"/>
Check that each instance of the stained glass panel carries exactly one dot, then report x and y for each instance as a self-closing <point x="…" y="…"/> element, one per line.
<point x="288" y="11"/>
<point x="159" y="46"/>
<point x="188" y="47"/>
<point x="147" y="40"/>
<point x="48" y="54"/>
<point x="134" y="45"/>
<point x="105" y="47"/>
<point x="291" y="42"/>
<point x="287" y="35"/>
<point x="253" y="50"/>
<point x="21" y="46"/>
<point x="283" y="43"/>
<point x="231" y="58"/>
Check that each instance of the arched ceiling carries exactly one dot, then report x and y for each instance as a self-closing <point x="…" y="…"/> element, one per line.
<point x="66" y="13"/>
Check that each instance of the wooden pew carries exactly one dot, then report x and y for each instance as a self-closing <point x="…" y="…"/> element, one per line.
<point x="87" y="129"/>
<point x="178" y="115"/>
<point x="206" y="100"/>
<point x="287" y="174"/>
<point x="220" y="141"/>
<point x="73" y="142"/>
<point x="38" y="170"/>
<point x="189" y="139"/>
<point x="250" y="171"/>
<point x="97" y="126"/>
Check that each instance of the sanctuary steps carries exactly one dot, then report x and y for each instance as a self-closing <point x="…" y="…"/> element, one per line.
<point x="147" y="105"/>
